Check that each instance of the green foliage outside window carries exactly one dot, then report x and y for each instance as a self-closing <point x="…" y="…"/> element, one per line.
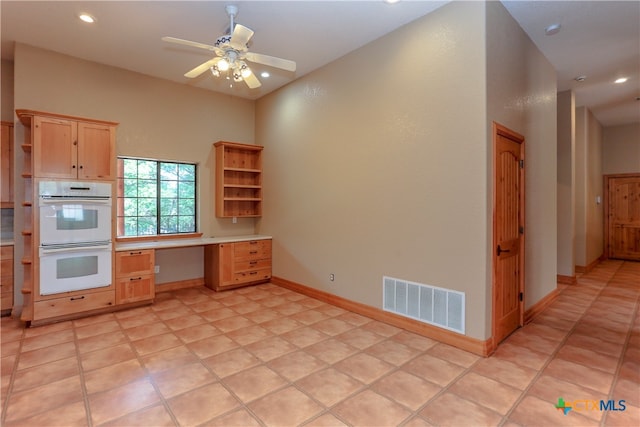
<point x="156" y="197"/>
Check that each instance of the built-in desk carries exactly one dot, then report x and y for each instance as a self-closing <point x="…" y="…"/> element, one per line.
<point x="229" y="262"/>
<point x="183" y="243"/>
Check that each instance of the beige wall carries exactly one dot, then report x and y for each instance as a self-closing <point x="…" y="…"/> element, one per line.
<point x="589" y="212"/>
<point x="566" y="183"/>
<point x="6" y="87"/>
<point x="621" y="149"/>
<point x="158" y="119"/>
<point x="394" y="181"/>
<point x="522" y="96"/>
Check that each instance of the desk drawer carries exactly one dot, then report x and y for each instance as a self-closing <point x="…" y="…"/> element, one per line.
<point x="254" y="249"/>
<point x="252" y="275"/>
<point x="256" y="264"/>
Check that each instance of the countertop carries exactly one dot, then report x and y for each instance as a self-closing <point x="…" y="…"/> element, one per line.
<point x="183" y="243"/>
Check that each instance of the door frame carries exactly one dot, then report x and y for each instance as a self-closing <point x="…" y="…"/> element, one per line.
<point x="605" y="201"/>
<point x="500" y="130"/>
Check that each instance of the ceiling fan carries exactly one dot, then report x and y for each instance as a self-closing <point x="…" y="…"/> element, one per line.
<point x="232" y="51"/>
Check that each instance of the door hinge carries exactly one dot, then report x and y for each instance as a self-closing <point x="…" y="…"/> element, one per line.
<point x="522" y="164"/>
<point x="521" y="296"/>
<point x="521" y="230"/>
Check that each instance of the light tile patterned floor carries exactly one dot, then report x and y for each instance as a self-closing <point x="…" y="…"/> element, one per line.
<point x="267" y="356"/>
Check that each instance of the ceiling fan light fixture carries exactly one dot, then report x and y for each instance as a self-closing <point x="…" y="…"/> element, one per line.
<point x="223" y="64"/>
<point x="245" y="72"/>
<point x="215" y="71"/>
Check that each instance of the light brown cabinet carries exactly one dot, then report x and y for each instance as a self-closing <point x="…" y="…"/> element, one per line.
<point x="6" y="151"/>
<point x="73" y="149"/>
<point x="231" y="265"/>
<point x="135" y="279"/>
<point x="65" y="147"/>
<point x="238" y="180"/>
<point x="6" y="279"/>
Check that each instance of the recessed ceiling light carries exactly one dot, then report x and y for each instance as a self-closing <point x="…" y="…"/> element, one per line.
<point x="264" y="74"/>
<point x="621" y="80"/>
<point x="552" y="29"/>
<point x="391" y="1"/>
<point x="580" y="78"/>
<point x="87" y="18"/>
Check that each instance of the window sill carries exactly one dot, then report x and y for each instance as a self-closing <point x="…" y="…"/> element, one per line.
<point x="157" y="237"/>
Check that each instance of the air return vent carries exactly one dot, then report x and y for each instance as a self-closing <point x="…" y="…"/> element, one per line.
<point x="436" y="306"/>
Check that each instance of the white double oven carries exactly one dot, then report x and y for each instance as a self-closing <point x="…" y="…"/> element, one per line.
<point x="75" y="236"/>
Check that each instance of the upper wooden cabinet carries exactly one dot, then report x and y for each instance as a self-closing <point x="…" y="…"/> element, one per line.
<point x="71" y="148"/>
<point x="238" y="180"/>
<point x="6" y="148"/>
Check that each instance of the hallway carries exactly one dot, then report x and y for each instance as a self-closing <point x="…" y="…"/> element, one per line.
<point x="265" y="355"/>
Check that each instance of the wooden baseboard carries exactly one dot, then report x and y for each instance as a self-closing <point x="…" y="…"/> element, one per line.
<point x="567" y="280"/>
<point x="180" y="284"/>
<point x="538" y="307"/>
<point x="591" y="266"/>
<point x="481" y="348"/>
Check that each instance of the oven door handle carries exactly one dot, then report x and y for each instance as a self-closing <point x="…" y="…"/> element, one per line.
<point x="56" y="249"/>
<point x="46" y="200"/>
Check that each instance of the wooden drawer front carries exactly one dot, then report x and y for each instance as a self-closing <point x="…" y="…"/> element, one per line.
<point x="6" y="301"/>
<point x="133" y="289"/>
<point x="134" y="263"/>
<point x="255" y="249"/>
<point x="74" y="304"/>
<point x="252" y="275"/>
<point x="256" y="264"/>
<point x="6" y="285"/>
<point x="6" y="252"/>
<point x="6" y="269"/>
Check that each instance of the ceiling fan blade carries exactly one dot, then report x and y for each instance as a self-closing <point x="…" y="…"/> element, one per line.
<point x="252" y="81"/>
<point x="188" y="43"/>
<point x="202" y="68"/>
<point x="271" y="61"/>
<point x="241" y="36"/>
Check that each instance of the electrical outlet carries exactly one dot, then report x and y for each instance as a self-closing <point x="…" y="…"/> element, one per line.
<point x="234" y="220"/>
<point x="332" y="277"/>
<point x="156" y="269"/>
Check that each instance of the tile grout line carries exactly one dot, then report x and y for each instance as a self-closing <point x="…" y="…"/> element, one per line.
<point x="14" y="372"/>
<point x="83" y="386"/>
<point x="622" y="353"/>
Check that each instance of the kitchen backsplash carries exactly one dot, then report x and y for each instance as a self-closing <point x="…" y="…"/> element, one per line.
<point x="6" y="225"/>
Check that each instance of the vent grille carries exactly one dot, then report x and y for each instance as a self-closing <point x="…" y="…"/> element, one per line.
<point x="429" y="304"/>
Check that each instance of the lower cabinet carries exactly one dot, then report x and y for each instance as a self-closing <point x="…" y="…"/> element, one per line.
<point x="76" y="303"/>
<point x="235" y="264"/>
<point x="135" y="279"/>
<point x="6" y="279"/>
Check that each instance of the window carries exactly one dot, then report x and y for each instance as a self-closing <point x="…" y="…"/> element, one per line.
<point x="155" y="197"/>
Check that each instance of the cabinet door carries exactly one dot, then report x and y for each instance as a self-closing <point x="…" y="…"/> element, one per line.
<point x="96" y="151"/>
<point x="135" y="263"/>
<point x="6" y="148"/>
<point x="226" y="256"/>
<point x="54" y="146"/>
<point x="134" y="289"/>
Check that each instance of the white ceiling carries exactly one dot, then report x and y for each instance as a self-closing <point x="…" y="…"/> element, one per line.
<point x="598" y="39"/>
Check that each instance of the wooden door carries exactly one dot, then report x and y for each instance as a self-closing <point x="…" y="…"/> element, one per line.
<point x="508" y="232"/>
<point x="622" y="205"/>
<point x="55" y="153"/>
<point x="96" y="151"/>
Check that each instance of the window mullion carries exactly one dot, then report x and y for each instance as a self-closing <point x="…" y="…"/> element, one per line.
<point x="158" y="198"/>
